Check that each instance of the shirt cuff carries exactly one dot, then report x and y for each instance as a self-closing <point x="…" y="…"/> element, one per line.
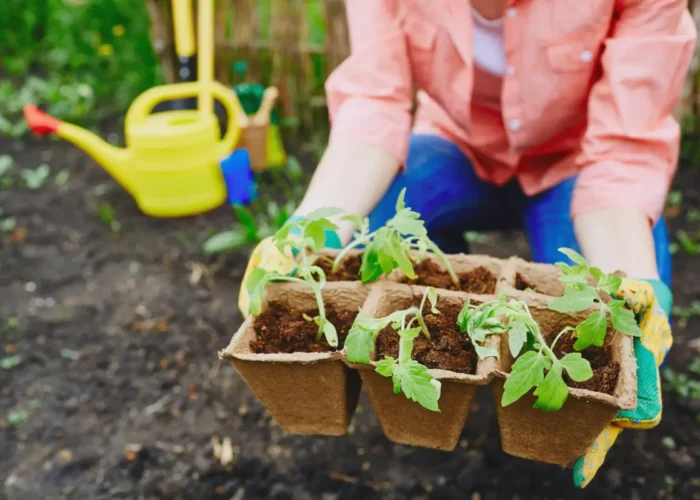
<point x="615" y="185"/>
<point x="375" y="122"/>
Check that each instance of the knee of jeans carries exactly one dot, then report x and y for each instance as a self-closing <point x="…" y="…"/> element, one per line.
<point x="663" y="252"/>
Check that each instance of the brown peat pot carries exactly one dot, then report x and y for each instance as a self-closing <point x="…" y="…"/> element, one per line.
<point x="305" y="392"/>
<point x="404" y="421"/>
<point x="561" y="437"/>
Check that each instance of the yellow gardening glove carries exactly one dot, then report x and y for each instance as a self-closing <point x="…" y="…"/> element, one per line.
<point x="266" y="256"/>
<point x="652" y="301"/>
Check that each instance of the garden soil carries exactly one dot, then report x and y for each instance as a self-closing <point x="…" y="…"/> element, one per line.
<point x="120" y="395"/>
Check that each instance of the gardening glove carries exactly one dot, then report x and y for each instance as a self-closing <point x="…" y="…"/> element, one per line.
<point x="266" y="255"/>
<point x="651" y="300"/>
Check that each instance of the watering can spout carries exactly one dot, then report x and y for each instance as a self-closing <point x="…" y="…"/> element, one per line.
<point x="111" y="158"/>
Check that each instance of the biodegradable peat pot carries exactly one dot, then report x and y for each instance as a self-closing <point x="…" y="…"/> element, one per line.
<point x="477" y="274"/>
<point x="561" y="437"/>
<point x="402" y="420"/>
<point x="305" y="392"/>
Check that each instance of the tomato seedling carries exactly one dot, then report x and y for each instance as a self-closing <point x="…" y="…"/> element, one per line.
<point x="300" y="240"/>
<point x="407" y="374"/>
<point x="536" y="364"/>
<point x="402" y="241"/>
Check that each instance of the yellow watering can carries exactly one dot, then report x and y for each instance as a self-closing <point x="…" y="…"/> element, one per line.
<point x="171" y="163"/>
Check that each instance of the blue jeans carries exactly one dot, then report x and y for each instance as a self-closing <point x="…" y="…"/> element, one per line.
<point x="442" y="186"/>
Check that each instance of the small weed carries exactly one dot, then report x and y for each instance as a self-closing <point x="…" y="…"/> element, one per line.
<point x="474" y="237"/>
<point x="10" y="362"/>
<point x="106" y="214"/>
<point x="36" y="178"/>
<point x="693" y="215"/>
<point x="689" y="244"/>
<point x="69" y="354"/>
<point x="11" y="325"/>
<point x="683" y="384"/>
<point x="7" y="224"/>
<point x="6" y="164"/>
<point x="62" y="177"/>
<point x="685" y="313"/>
<point x="674" y="199"/>
<point x="17" y="417"/>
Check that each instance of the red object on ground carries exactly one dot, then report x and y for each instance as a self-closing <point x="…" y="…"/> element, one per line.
<point x="39" y="122"/>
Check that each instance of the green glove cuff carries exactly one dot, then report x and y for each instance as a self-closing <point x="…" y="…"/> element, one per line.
<point x="663" y="295"/>
<point x="332" y="239"/>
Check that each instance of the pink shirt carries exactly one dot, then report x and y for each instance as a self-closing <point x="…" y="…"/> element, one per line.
<point x="589" y="87"/>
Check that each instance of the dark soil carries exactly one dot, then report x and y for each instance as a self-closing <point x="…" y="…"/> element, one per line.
<point x="280" y="330"/>
<point x="119" y="390"/>
<point x="522" y="284"/>
<point x="479" y="280"/>
<point x="605" y="371"/>
<point x="348" y="270"/>
<point x="447" y="348"/>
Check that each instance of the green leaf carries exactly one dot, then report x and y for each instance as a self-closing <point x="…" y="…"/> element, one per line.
<point x="323" y="213"/>
<point x="573" y="301"/>
<point x="574" y="256"/>
<point x="417" y="384"/>
<point x="623" y="320"/>
<point x="400" y="257"/>
<point x="359" y="344"/>
<point x="317" y="235"/>
<point x="400" y="201"/>
<point x="224" y="241"/>
<point x="255" y="277"/>
<point x="610" y="283"/>
<point x="370" y="269"/>
<point x="591" y="331"/>
<point x="517" y="335"/>
<point x="552" y="391"/>
<point x="355" y="219"/>
<point x="408" y="222"/>
<point x="385" y="367"/>
<point x="245" y="217"/>
<point x="432" y="295"/>
<point x="596" y="273"/>
<point x="578" y="368"/>
<point x="527" y="372"/>
<point x="330" y="333"/>
<point x="485" y="352"/>
<point x="10" y="362"/>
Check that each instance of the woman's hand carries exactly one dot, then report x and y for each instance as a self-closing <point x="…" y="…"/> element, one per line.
<point x="618" y="239"/>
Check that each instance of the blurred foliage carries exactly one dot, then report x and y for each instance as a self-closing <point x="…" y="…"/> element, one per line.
<point x="82" y="60"/>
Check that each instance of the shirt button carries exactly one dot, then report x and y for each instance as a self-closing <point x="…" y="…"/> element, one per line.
<point x="586" y="56"/>
<point x="511" y="12"/>
<point x="510" y="70"/>
<point x="514" y="125"/>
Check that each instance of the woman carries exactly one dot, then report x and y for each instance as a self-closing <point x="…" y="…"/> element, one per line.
<point x="552" y="115"/>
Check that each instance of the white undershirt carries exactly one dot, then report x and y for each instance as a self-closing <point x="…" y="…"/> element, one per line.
<point x="489" y="53"/>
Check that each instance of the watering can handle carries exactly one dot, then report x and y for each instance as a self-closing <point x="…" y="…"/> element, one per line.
<point x="143" y="105"/>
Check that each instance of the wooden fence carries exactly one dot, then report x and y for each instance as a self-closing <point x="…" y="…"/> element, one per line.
<point x="295" y="44"/>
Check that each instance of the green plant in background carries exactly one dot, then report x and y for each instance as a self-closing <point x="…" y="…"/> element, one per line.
<point x="279" y="192"/>
<point x="407" y="374"/>
<point x="83" y="60"/>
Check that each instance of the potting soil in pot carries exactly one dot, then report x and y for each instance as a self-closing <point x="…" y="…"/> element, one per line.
<point x="429" y="273"/>
<point x="605" y="370"/>
<point x="348" y="270"/>
<point x="281" y="330"/>
<point x="447" y="348"/>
